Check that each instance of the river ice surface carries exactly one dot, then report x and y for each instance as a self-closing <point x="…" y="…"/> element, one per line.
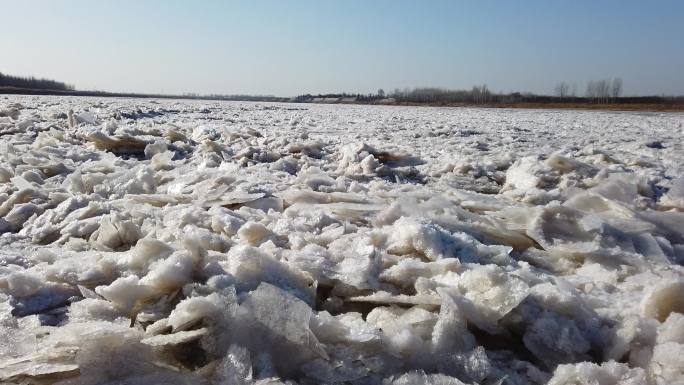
<point x="190" y="242"/>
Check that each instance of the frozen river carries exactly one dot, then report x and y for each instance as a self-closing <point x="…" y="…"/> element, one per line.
<point x="188" y="242"/>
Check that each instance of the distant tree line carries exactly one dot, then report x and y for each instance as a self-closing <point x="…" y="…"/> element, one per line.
<point x="243" y="98"/>
<point x="604" y="90"/>
<point x="597" y="92"/>
<point x="423" y="95"/>
<point x="33" y="83"/>
<point x="478" y="94"/>
<point x="237" y="97"/>
<point x="341" y="97"/>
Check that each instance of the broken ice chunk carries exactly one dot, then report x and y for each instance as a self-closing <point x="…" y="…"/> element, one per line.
<point x="560" y="228"/>
<point x="282" y="326"/>
<point x="556" y="340"/>
<point x="20" y="284"/>
<point x="407" y="332"/>
<point x="27" y="370"/>
<point x="450" y="333"/>
<point x="290" y="321"/>
<point x="407" y="271"/>
<point x="489" y="293"/>
<point x="251" y="266"/>
<point x="198" y="240"/>
<point x="348" y="328"/>
<point x="152" y="149"/>
<point x="18" y="215"/>
<point x="124" y="145"/>
<point x="225" y="221"/>
<point x="421" y="378"/>
<point x="125" y="292"/>
<point x="176" y="338"/>
<point x="51" y="296"/>
<point x="528" y="174"/>
<point x="608" y="373"/>
<point x="235" y="368"/>
<point x="356" y="262"/>
<point x="667" y="366"/>
<point x="145" y="251"/>
<point x="564" y="299"/>
<point x="115" y="233"/>
<point x="254" y="233"/>
<point x="675" y="196"/>
<point x="86" y="117"/>
<point x="663" y="299"/>
<point x="192" y="310"/>
<point x="672" y="330"/>
<point x="91" y="309"/>
<point x="170" y="273"/>
<point x="408" y="235"/>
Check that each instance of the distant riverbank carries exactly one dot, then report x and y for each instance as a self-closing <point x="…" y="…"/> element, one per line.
<point x="646" y="104"/>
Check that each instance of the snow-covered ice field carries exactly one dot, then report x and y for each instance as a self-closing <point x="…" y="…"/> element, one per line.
<point x="187" y="242"/>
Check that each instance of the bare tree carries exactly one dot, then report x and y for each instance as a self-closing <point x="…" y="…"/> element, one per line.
<point x="481" y="94"/>
<point x="486" y="94"/>
<point x="616" y="88"/>
<point x="562" y="89"/>
<point x="591" y="90"/>
<point x="601" y="90"/>
<point x="381" y="93"/>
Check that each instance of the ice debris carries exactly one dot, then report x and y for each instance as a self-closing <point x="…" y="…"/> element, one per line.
<point x="183" y="242"/>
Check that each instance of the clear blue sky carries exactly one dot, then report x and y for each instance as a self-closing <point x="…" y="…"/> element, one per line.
<point x="292" y="47"/>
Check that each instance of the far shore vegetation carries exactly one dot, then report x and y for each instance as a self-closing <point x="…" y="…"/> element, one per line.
<point x="603" y="94"/>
